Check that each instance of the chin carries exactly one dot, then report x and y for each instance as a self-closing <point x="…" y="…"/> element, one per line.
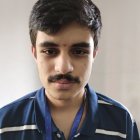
<point x="62" y="94"/>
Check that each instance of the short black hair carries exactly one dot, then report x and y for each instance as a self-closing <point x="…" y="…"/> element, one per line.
<point x="52" y="15"/>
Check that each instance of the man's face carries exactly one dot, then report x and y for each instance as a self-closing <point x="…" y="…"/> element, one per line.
<point x="64" y="60"/>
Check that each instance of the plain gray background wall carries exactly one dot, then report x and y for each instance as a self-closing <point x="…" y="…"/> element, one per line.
<point x="116" y="72"/>
<point x="116" y="69"/>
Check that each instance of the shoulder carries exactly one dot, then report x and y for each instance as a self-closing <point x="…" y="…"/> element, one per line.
<point x="105" y="101"/>
<point x="116" y="117"/>
<point x="19" y="101"/>
<point x="113" y="118"/>
<point x="17" y="110"/>
<point x="114" y="106"/>
<point x="110" y="108"/>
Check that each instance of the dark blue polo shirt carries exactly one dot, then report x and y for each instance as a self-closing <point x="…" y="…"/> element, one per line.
<point x="106" y="119"/>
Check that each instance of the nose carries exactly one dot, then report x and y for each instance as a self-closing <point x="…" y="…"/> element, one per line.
<point x="63" y="64"/>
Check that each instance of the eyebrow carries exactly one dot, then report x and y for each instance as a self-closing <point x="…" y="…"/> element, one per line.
<point x="82" y="45"/>
<point x="52" y="44"/>
<point x="48" y="44"/>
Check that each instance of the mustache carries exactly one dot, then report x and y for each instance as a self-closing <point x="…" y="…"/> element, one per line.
<point x="67" y="77"/>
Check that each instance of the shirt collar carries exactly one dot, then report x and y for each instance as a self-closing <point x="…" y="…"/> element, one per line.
<point x="90" y="123"/>
<point x="40" y="105"/>
<point x="40" y="108"/>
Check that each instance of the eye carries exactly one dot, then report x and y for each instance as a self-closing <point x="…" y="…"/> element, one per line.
<point x="50" y="51"/>
<point x="79" y="52"/>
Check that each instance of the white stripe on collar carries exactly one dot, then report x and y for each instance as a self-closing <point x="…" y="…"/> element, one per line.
<point x="111" y="133"/>
<point x="103" y="102"/>
<point x="18" y="128"/>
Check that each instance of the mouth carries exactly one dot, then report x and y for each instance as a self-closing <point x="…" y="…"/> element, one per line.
<point x="64" y="81"/>
<point x="63" y="84"/>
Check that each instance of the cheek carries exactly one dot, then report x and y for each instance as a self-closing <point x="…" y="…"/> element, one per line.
<point x="85" y="69"/>
<point x="44" y="67"/>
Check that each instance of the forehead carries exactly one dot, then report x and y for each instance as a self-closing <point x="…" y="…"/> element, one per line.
<point x="68" y="35"/>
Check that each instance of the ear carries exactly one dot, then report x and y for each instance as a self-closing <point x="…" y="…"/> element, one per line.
<point x="34" y="52"/>
<point x="95" y="52"/>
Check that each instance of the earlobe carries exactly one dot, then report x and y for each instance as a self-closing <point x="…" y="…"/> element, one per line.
<point x="95" y="52"/>
<point x="34" y="52"/>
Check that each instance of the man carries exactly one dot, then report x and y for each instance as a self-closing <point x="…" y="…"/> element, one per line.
<point x="64" y="36"/>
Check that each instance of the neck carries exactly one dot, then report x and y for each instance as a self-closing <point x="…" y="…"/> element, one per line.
<point x="63" y="110"/>
<point x="66" y="104"/>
